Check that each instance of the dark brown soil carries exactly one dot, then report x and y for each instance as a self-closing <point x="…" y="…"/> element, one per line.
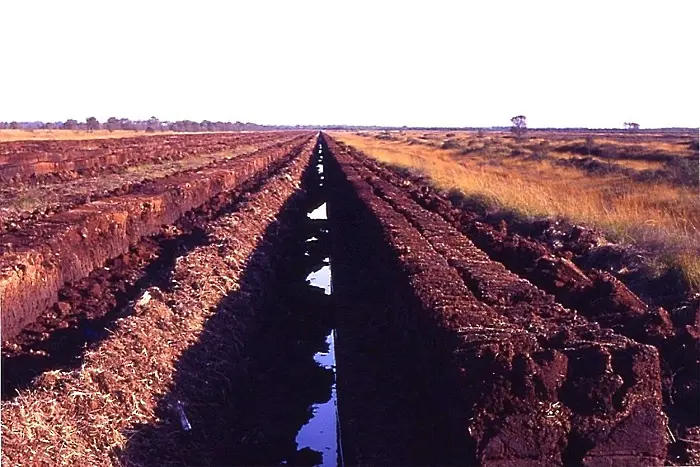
<point x="37" y="161"/>
<point x="459" y="341"/>
<point x="527" y="380"/>
<point x="66" y="247"/>
<point x="87" y="308"/>
<point x="231" y="334"/>
<point x="38" y="198"/>
<point x="261" y="388"/>
<point x="594" y="293"/>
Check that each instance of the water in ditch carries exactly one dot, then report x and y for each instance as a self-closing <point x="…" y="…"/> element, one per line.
<point x="321" y="433"/>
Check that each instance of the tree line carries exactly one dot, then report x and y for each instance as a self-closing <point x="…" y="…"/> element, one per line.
<point x="151" y="125"/>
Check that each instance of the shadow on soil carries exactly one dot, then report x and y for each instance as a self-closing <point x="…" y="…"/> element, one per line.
<point x="64" y="346"/>
<point x="96" y="302"/>
<point x="400" y="401"/>
<point x="247" y="386"/>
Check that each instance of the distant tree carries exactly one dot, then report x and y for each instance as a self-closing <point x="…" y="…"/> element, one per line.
<point x="14" y="126"/>
<point x="112" y="124"/>
<point x="70" y="124"/>
<point x="193" y="126"/>
<point x="92" y="124"/>
<point x="176" y="126"/>
<point x="126" y="124"/>
<point x="631" y="126"/>
<point x="153" y="124"/>
<point x="519" y="125"/>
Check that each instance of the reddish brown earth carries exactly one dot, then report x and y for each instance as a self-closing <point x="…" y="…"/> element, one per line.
<point x="32" y="161"/>
<point x="594" y="293"/>
<point x="458" y="341"/>
<point x="37" y="261"/>
<point x="516" y="378"/>
<point x="231" y="332"/>
<point x="25" y="201"/>
<point x="86" y="308"/>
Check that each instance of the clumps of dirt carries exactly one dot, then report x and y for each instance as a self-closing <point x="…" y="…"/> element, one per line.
<point x="68" y="246"/>
<point x="247" y="390"/>
<point x="519" y="377"/>
<point x="81" y="316"/>
<point x="587" y="247"/>
<point x="87" y="308"/>
<point x="542" y="253"/>
<point x="35" y="200"/>
<point x="385" y="136"/>
<point x="91" y="412"/>
<point x="36" y="162"/>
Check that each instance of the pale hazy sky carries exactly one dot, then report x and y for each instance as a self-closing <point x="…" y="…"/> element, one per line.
<point x="432" y="63"/>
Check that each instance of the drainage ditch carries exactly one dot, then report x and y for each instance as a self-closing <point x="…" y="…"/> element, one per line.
<point x="259" y="387"/>
<point x="321" y="433"/>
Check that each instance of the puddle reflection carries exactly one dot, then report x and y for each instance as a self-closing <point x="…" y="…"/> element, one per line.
<point x="319" y="212"/>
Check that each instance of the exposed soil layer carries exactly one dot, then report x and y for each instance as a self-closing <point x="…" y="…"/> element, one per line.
<point x="263" y="388"/>
<point x="459" y="342"/>
<point x="501" y="374"/>
<point x="68" y="246"/>
<point x="229" y="337"/>
<point x="594" y="293"/>
<point x="37" y="199"/>
<point x="88" y="307"/>
<point x="34" y="161"/>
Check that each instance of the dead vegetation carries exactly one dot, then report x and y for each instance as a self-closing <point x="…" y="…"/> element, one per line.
<point x="571" y="351"/>
<point x="657" y="208"/>
<point x="87" y="416"/>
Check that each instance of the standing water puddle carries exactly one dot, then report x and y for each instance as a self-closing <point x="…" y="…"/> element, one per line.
<point x="321" y="432"/>
<point x="319" y="212"/>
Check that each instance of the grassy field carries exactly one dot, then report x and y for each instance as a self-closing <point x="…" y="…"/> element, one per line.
<point x="636" y="194"/>
<point x="35" y="135"/>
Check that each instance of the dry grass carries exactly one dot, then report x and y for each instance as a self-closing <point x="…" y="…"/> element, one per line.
<point x="632" y="164"/>
<point x="35" y="135"/>
<point x="657" y="215"/>
<point x="87" y="416"/>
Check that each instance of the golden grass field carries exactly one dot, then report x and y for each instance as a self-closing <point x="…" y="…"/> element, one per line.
<point x="36" y="135"/>
<point x="657" y="214"/>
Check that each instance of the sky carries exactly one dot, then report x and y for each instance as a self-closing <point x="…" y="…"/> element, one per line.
<point x="591" y="64"/>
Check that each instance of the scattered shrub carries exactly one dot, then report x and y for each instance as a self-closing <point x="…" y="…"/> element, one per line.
<point x="538" y="156"/>
<point x="684" y="170"/>
<point x="450" y="144"/>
